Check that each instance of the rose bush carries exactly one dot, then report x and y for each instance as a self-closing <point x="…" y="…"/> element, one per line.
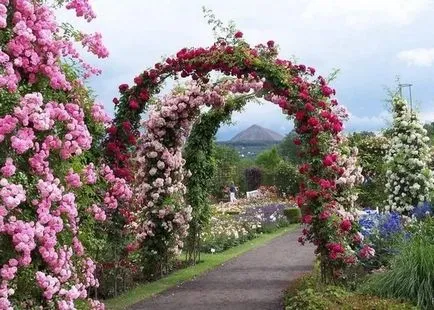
<point x="53" y="188"/>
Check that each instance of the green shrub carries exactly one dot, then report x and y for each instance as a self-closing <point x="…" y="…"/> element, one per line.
<point x="307" y="293"/>
<point x="411" y="274"/>
<point x="293" y="215"/>
<point x="287" y="179"/>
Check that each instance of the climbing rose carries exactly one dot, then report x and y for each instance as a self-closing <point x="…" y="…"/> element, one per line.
<point x="346" y="225"/>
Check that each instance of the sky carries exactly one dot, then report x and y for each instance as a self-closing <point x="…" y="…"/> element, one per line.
<point x="371" y="42"/>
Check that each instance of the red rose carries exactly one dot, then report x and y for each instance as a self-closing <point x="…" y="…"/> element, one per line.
<point x="144" y="95"/>
<point x="127" y="125"/>
<point x="138" y="80"/>
<point x="297" y="141"/>
<point x="238" y="35"/>
<point x="302" y="68"/>
<point x="304" y="168"/>
<point x="270" y="44"/>
<point x="313" y="122"/>
<point x="311" y="70"/>
<point x="325" y="184"/>
<point x="300" y="200"/>
<point x="123" y="88"/>
<point x="325" y="114"/>
<point x="337" y="127"/>
<point x="328" y="160"/>
<point x="112" y="130"/>
<point x="134" y="105"/>
<point x="327" y="91"/>
<point x="299" y="115"/>
<point x="115" y="100"/>
<point x="307" y="219"/>
<point x="132" y="139"/>
<point x="324" y="215"/>
<point x="309" y="107"/>
<point x="346" y="225"/>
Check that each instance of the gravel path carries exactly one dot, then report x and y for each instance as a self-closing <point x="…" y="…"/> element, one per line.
<point x="253" y="281"/>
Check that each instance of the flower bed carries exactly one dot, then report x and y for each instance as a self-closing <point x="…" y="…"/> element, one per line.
<point x="233" y="224"/>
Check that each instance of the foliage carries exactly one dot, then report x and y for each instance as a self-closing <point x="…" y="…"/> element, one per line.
<point x="269" y="161"/>
<point x="199" y="154"/>
<point x="429" y="127"/>
<point x="287" y="179"/>
<point x="410" y="275"/>
<point x="288" y="149"/>
<point x="372" y="151"/>
<point x="226" y="161"/>
<point x="409" y="179"/>
<point x="253" y="178"/>
<point x="293" y="215"/>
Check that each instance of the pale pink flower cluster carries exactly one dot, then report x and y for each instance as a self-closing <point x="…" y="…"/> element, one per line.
<point x="73" y="179"/>
<point x="94" y="45"/>
<point x="99" y="114"/>
<point x="90" y="176"/>
<point x="352" y="176"/>
<point x="33" y="132"/>
<point x="119" y="189"/>
<point x="82" y="8"/>
<point x="160" y="164"/>
<point x="98" y="213"/>
<point x="9" y="168"/>
<point x="35" y="47"/>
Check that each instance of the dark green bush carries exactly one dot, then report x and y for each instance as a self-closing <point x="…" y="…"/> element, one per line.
<point x="293" y="215"/>
<point x="253" y="178"/>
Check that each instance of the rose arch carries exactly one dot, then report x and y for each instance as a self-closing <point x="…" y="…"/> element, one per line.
<point x="159" y="217"/>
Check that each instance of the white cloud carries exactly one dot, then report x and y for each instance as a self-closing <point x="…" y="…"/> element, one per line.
<point x="138" y="33"/>
<point x="372" y="123"/>
<point x="367" y="13"/>
<point x="423" y="57"/>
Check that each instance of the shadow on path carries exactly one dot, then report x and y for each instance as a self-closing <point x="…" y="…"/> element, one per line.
<point x="253" y="281"/>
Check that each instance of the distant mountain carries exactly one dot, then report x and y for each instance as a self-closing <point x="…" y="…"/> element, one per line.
<point x="256" y="133"/>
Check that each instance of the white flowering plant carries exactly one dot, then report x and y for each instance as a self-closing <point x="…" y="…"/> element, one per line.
<point x="409" y="178"/>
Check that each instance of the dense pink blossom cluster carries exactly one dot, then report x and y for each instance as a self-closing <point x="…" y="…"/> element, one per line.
<point x="33" y="133"/>
<point x="160" y="164"/>
<point x="94" y="44"/>
<point x="35" y="47"/>
<point x="82" y="8"/>
<point x="99" y="114"/>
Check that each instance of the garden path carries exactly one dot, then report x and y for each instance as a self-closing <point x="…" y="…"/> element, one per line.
<point x="253" y="281"/>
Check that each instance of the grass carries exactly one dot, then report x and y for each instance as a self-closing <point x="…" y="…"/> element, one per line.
<point x="210" y="261"/>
